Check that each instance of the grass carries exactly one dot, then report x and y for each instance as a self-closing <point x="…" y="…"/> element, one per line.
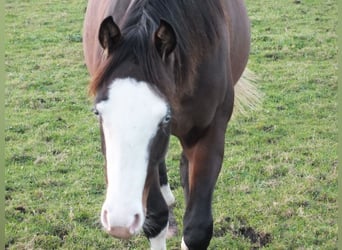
<point x="278" y="185"/>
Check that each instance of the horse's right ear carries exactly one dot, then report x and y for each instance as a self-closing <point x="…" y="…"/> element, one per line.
<point x="109" y="34"/>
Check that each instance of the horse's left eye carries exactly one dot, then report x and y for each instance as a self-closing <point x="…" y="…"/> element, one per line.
<point x="167" y="119"/>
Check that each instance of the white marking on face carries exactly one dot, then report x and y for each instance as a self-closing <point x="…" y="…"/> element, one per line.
<point x="130" y="118"/>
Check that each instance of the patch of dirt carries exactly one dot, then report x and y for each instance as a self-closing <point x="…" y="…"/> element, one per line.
<point x="61" y="232"/>
<point x="239" y="228"/>
<point x="21" y="209"/>
<point x="258" y="239"/>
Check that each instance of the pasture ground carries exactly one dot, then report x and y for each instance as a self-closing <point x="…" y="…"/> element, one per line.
<point x="278" y="185"/>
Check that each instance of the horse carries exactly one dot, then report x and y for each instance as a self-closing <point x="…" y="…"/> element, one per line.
<point x="160" y="68"/>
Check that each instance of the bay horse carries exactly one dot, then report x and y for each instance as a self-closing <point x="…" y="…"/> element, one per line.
<point x="162" y="68"/>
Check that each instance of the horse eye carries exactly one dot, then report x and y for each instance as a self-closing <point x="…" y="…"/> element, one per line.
<point x="167" y="119"/>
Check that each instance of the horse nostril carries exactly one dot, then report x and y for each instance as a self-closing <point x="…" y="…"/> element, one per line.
<point x="133" y="229"/>
<point x="105" y="219"/>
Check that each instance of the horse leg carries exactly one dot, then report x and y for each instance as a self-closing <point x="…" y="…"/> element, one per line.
<point x="157" y="214"/>
<point x="164" y="185"/>
<point x="184" y="173"/>
<point x="169" y="198"/>
<point x="205" y="160"/>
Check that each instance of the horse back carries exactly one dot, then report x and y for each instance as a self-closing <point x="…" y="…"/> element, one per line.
<point x="239" y="35"/>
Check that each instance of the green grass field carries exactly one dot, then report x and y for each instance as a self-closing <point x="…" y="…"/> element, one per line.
<point x="278" y="185"/>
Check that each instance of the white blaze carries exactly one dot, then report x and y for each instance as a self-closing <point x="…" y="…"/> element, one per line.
<point x="130" y="119"/>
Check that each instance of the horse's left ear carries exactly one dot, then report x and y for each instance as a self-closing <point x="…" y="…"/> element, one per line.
<point x="109" y="34"/>
<point x="165" y="39"/>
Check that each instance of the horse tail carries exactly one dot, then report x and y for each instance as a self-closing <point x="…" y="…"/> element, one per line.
<point x="247" y="95"/>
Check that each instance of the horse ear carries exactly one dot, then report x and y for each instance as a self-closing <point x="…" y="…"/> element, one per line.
<point x="109" y="34"/>
<point x="165" y="39"/>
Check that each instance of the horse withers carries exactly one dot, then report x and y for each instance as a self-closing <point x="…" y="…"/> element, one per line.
<point x="158" y="68"/>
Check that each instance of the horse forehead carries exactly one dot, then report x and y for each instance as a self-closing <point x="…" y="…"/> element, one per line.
<point x="131" y="101"/>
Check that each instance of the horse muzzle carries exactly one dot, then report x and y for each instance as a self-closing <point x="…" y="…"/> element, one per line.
<point x="122" y="226"/>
